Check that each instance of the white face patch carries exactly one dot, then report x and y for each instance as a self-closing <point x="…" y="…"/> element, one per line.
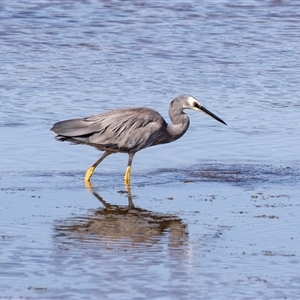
<point x="191" y="100"/>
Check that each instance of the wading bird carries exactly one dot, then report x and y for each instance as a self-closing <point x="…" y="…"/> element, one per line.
<point x="129" y="130"/>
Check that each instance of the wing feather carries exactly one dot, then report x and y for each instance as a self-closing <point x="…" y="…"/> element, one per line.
<point x="122" y="129"/>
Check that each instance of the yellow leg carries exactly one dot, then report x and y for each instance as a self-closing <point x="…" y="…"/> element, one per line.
<point x="89" y="174"/>
<point x="89" y="186"/>
<point x="127" y="175"/>
<point x="91" y="169"/>
<point x="128" y="169"/>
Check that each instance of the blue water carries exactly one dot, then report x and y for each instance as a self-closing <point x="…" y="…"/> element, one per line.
<point x="232" y="188"/>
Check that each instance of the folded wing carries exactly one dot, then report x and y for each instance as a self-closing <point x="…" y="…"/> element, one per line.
<point x="121" y="130"/>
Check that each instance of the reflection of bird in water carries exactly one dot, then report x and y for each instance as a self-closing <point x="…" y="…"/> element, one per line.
<point x="129" y="130"/>
<point x="123" y="226"/>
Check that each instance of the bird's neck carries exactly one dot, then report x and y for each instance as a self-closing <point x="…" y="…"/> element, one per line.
<point x="179" y="127"/>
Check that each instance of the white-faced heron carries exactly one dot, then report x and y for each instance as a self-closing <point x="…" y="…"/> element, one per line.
<point x="129" y="130"/>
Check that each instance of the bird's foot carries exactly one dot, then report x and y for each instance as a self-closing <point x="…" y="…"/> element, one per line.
<point x="89" y="186"/>
<point x="89" y="174"/>
<point x="127" y="175"/>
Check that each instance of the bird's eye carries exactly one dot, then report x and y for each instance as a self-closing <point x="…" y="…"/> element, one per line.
<point x="196" y="105"/>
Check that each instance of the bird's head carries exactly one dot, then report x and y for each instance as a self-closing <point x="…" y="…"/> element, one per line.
<point x="189" y="102"/>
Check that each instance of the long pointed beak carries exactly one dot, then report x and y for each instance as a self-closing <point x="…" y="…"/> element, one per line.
<point x="211" y="114"/>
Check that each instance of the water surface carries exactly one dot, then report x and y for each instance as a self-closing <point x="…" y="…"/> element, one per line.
<point x="213" y="215"/>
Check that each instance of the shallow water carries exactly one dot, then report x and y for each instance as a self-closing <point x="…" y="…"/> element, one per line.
<point x="214" y="214"/>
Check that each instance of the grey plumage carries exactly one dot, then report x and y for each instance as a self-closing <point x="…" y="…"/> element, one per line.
<point x="129" y="130"/>
<point x="120" y="130"/>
